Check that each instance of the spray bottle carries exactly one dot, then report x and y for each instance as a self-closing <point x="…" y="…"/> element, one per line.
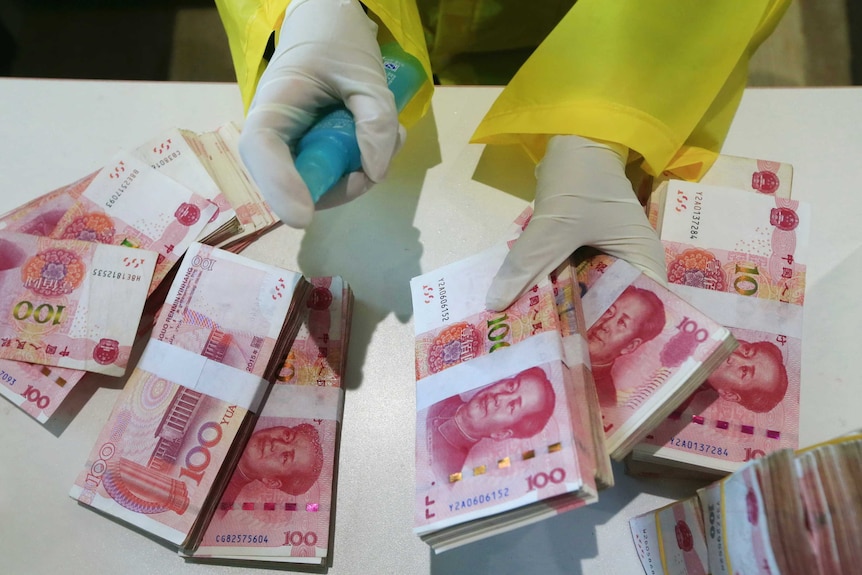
<point x="329" y="150"/>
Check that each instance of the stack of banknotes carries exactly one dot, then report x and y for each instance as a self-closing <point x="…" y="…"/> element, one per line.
<point x="782" y="514"/>
<point x="280" y="501"/>
<point x="178" y="188"/>
<point x="740" y="257"/>
<point x="506" y="407"/>
<point x="176" y="433"/>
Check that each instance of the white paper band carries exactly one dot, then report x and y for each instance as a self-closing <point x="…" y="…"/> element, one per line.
<point x="732" y="310"/>
<point x="505" y="362"/>
<point x="183" y="367"/>
<point x="607" y="289"/>
<point x="305" y="402"/>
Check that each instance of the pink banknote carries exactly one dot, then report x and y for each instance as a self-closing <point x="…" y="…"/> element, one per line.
<point x="69" y="303"/>
<point x="779" y="279"/>
<point x="818" y="514"/>
<point x="278" y="504"/>
<point x="648" y="347"/>
<point x="175" y="154"/>
<point x="500" y="447"/>
<point x="501" y="422"/>
<point x="671" y="540"/>
<point x="40" y="216"/>
<point x="158" y="462"/>
<point x="735" y="220"/>
<point x="37" y="389"/>
<point x="483" y="332"/>
<point x="747" y="407"/>
<point x="737" y="532"/>
<point x="128" y="203"/>
<point x="765" y="177"/>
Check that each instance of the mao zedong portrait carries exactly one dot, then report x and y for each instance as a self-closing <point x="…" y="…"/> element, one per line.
<point x="286" y="458"/>
<point x="636" y="317"/>
<point x="753" y="376"/>
<point x="515" y="407"/>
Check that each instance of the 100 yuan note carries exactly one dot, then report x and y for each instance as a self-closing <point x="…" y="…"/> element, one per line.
<point x="159" y="456"/>
<point x="749" y="406"/>
<point x="40" y="216"/>
<point x="278" y="505"/>
<point x="765" y="177"/>
<point x="36" y="389"/>
<point x="69" y="303"/>
<point x="649" y="348"/>
<point x="130" y="204"/>
<point x="494" y="415"/>
<point x="175" y="153"/>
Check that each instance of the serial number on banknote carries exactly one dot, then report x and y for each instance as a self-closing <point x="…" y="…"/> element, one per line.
<point x="7" y="378"/>
<point x="480" y="499"/>
<point x="698" y="446"/>
<point x="116" y="275"/>
<point x="241" y="538"/>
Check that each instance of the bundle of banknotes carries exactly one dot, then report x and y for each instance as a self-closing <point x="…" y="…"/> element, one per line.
<point x="782" y="514"/>
<point x="280" y="501"/>
<point x="738" y="255"/>
<point x="169" y="447"/>
<point x="178" y="188"/>
<point x="506" y="406"/>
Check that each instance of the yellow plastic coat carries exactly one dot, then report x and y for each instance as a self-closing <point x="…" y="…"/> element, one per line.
<point x="661" y="77"/>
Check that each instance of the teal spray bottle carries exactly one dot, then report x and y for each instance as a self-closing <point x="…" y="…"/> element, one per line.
<point x="328" y="151"/>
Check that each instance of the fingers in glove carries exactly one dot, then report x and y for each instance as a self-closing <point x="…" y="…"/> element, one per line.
<point x="270" y="163"/>
<point x="535" y="254"/>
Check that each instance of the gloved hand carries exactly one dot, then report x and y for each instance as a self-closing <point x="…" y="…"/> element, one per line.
<point x="583" y="198"/>
<point x="327" y="54"/>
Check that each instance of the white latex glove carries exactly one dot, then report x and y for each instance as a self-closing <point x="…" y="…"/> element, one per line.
<point x="327" y="54"/>
<point x="583" y="198"/>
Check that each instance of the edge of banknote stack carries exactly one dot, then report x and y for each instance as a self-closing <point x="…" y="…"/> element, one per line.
<point x="506" y="408"/>
<point x="177" y="429"/>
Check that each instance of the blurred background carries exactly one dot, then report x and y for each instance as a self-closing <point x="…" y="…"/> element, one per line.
<point x="818" y="43"/>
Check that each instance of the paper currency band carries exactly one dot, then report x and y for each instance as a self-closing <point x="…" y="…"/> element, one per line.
<point x="503" y="462"/>
<point x="616" y="278"/>
<point x="540" y="349"/>
<point x="229" y="384"/>
<point x="305" y="402"/>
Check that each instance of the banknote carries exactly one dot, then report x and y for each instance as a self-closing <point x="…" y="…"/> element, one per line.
<point x="36" y="389"/>
<point x="750" y="405"/>
<point x="501" y="439"/>
<point x="649" y="348"/>
<point x="741" y="273"/>
<point x="737" y="534"/>
<point x="219" y="149"/>
<point x="764" y="177"/>
<point x="40" y="216"/>
<point x="730" y="219"/>
<point x="176" y="154"/>
<point x="130" y="204"/>
<point x="69" y="303"/>
<point x="787" y="512"/>
<point x="282" y="510"/>
<point x="671" y="540"/>
<point x="166" y="451"/>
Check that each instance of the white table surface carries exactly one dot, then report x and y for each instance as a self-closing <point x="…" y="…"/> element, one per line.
<point x="444" y="200"/>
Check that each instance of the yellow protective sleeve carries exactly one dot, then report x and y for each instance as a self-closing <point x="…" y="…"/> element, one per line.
<point x="250" y="23"/>
<point x="662" y="77"/>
